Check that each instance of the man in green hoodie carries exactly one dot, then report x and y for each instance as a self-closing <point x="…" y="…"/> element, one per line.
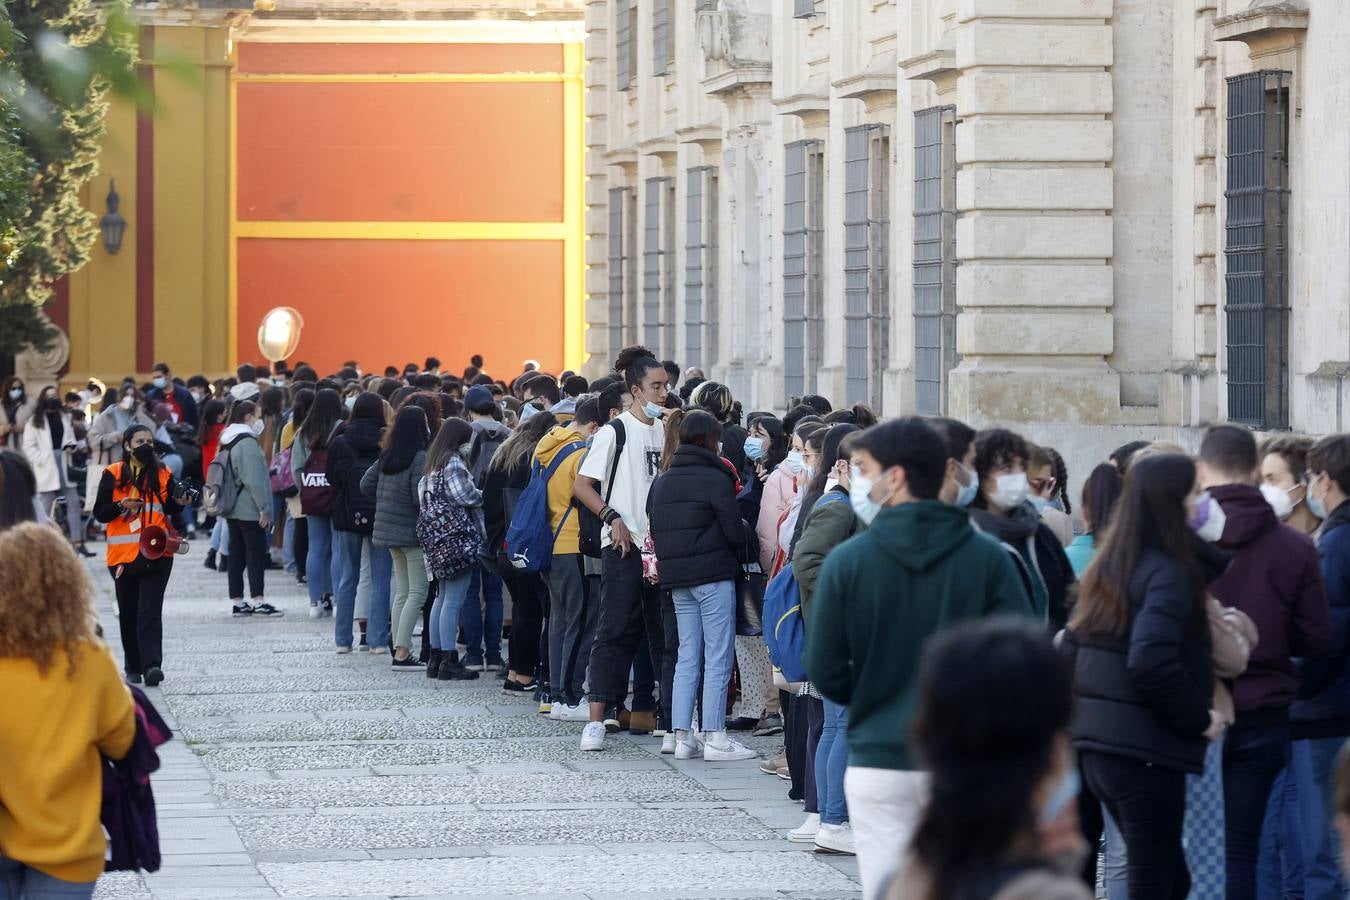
<point x="918" y="569"/>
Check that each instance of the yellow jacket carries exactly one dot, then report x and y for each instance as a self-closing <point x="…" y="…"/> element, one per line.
<point x="560" y="485"/>
<point x="51" y="789"/>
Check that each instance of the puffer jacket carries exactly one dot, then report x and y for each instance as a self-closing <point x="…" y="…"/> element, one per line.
<point x="1146" y="695"/>
<point x="1323" y="709"/>
<point x="353" y="451"/>
<point x="829" y="523"/>
<point x="397" y="503"/>
<point x="695" y="521"/>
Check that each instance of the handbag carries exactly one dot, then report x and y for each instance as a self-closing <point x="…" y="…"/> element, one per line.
<point x="750" y="587"/>
<point x="1232" y="635"/>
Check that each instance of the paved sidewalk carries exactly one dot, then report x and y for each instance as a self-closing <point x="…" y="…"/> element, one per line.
<point x="300" y="773"/>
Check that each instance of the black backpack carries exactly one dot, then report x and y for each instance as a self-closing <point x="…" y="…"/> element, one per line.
<point x="353" y="509"/>
<point x="588" y="522"/>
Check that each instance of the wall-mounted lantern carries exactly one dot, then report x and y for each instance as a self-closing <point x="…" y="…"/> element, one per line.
<point x="112" y="224"/>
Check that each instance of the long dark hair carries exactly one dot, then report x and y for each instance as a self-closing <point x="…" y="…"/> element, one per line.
<point x="213" y="413"/>
<point x="516" y="450"/>
<point x="18" y="486"/>
<point x="40" y="411"/>
<point x="829" y="455"/>
<point x="301" y="403"/>
<point x="148" y="483"/>
<point x="404" y="440"/>
<point x="453" y="434"/>
<point x="1151" y="514"/>
<point x="1100" y="493"/>
<point x="993" y="698"/>
<point x="777" y="450"/>
<point x="323" y="417"/>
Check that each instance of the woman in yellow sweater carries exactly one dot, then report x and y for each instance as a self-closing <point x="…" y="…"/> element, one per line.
<point x="65" y="703"/>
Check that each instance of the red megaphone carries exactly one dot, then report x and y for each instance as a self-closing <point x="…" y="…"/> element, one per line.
<point x="156" y="542"/>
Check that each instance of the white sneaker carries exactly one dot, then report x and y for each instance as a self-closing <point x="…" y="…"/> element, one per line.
<point x="835" y="839"/>
<point x="593" y="736"/>
<point x="564" y="713"/>
<point x="343" y="650"/>
<point x="720" y="748"/>
<point x="805" y="833"/>
<point x="315" y="611"/>
<point x="668" y="743"/>
<point x="690" y="747"/>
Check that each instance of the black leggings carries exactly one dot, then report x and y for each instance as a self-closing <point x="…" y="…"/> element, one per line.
<point x="248" y="546"/>
<point x="1148" y="802"/>
<point x="140" y="611"/>
<point x="300" y="544"/>
<point x="528" y="597"/>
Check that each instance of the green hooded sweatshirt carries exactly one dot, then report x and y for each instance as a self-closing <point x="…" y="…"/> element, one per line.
<point x="920" y="568"/>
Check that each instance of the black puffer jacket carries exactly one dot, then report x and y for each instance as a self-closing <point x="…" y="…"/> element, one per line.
<point x="695" y="520"/>
<point x="1147" y="694"/>
<point x="354" y="449"/>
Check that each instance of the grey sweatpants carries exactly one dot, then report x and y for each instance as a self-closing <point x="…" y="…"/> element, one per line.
<point x="574" y="609"/>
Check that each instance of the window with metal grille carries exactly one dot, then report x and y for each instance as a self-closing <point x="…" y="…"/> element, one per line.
<point x="625" y="61"/>
<point x="658" y="266"/>
<point x="1256" y="287"/>
<point x="867" y="317"/>
<point x="663" y="38"/>
<point x="934" y="257"/>
<point x="705" y="5"/>
<point x="622" y="284"/>
<point x="700" y="267"/>
<point x="803" y="9"/>
<point x="803" y="261"/>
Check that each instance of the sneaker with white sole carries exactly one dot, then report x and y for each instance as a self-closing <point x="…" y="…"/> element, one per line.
<point x="341" y="651"/>
<point x="720" y="748"/>
<point x="668" y="743"/>
<point x="835" y="839"/>
<point x="565" y="713"/>
<point x="315" y="611"/>
<point x="593" y="736"/>
<point x="805" y="833"/>
<point x="690" y="747"/>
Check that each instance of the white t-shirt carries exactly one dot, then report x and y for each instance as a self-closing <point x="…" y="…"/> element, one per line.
<point x="639" y="465"/>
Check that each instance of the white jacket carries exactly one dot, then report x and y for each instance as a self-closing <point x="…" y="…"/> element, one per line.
<point x="37" y="446"/>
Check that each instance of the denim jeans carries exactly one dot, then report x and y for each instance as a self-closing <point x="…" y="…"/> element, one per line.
<point x="18" y="880"/>
<point x="706" y="617"/>
<point x="288" y="546"/>
<point x="1300" y="856"/>
<point x="445" y="612"/>
<point x="323" y="568"/>
<point x="482" y="633"/>
<point x="220" y="536"/>
<point x="348" y="546"/>
<point x="831" y="763"/>
<point x="1254" y="752"/>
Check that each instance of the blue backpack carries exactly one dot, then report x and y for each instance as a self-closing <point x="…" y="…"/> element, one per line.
<point x="784" y="628"/>
<point x="529" y="540"/>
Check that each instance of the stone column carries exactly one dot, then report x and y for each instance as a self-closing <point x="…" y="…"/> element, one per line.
<point x="1034" y="195"/>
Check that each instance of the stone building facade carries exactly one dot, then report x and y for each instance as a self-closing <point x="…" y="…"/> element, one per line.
<point x="1100" y="219"/>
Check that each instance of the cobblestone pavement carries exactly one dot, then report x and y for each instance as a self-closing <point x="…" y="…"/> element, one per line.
<point x="297" y="772"/>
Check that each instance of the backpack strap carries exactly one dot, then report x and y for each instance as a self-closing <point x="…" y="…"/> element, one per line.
<point x="548" y="476"/>
<point x="620" y="438"/>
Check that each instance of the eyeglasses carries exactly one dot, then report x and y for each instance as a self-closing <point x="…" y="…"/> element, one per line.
<point x="1044" y="485"/>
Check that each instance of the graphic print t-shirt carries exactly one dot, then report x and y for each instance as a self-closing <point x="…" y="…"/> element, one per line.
<point x="639" y="464"/>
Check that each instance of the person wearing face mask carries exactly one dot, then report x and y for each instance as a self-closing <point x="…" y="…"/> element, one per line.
<point x="775" y="503"/>
<point x="992" y="727"/>
<point x="122" y="409"/>
<point x="48" y="441"/>
<point x="1301" y="858"/>
<point x="1284" y="468"/>
<point x="1001" y="510"/>
<point x="163" y="389"/>
<point x="248" y="521"/>
<point x="15" y="409"/>
<point x="1048" y="485"/>
<point x="134" y="494"/>
<point x="573" y="606"/>
<point x="1276" y="579"/>
<point x="919" y="568"/>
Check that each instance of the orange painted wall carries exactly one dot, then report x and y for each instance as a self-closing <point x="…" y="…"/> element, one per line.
<point x="392" y="302"/>
<point x="327" y="59"/>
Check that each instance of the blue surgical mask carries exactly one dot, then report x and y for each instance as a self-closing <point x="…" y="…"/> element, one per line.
<point x="754" y="448"/>
<point x="968" y="491"/>
<point x="160" y="382"/>
<point x="1065" y="793"/>
<point x="1039" y="503"/>
<point x="651" y="410"/>
<point x="1318" y="507"/>
<point x="794" y="461"/>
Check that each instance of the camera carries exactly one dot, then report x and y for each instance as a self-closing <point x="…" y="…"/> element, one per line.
<point x="189" y="494"/>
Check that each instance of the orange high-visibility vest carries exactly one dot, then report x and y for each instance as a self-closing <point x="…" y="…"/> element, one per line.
<point x="124" y="532"/>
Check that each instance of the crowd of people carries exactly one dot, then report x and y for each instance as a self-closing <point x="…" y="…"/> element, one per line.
<point x="980" y="694"/>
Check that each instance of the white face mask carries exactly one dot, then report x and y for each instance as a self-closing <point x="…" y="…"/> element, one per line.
<point x="197" y="396"/>
<point x="794" y="461"/>
<point x="257" y="426"/>
<point x="128" y="403"/>
<point x="1011" y="491"/>
<point x="860" y="496"/>
<point x="1209" y="519"/>
<point x="1279" y="500"/>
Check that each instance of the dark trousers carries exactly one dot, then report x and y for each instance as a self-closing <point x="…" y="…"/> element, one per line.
<point x="1255" y="749"/>
<point x="670" y="654"/>
<point x="804" y="719"/>
<point x="629" y="608"/>
<point x="1092" y="824"/>
<point x="140" y="612"/>
<point x="527" y="617"/>
<point x="300" y="539"/>
<point x="1148" y="802"/>
<point x="248" y="546"/>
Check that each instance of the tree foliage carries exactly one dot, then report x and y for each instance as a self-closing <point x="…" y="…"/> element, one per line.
<point x="58" y="60"/>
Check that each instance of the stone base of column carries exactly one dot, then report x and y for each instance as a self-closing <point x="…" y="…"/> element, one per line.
<point x="989" y="392"/>
<point x="1189" y="396"/>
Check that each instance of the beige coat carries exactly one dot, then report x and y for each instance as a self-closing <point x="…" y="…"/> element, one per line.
<point x="37" y="446"/>
<point x="21" y="417"/>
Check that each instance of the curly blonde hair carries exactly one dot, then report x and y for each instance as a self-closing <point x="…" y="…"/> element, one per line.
<point x="44" y="597"/>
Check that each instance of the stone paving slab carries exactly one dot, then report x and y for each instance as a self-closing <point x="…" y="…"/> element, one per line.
<point x="352" y="729"/>
<point x="355" y="756"/>
<point x="203" y="705"/>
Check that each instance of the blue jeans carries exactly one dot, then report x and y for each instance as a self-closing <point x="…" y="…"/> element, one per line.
<point x="706" y="616"/>
<point x="347" y="547"/>
<point x="1254" y="752"/>
<point x="288" y="546"/>
<point x="477" y="640"/>
<point x="18" y="880"/>
<point x="323" y="567"/>
<point x="220" y="536"/>
<point x="831" y="761"/>
<point x="445" y="611"/>
<point x="1300" y="849"/>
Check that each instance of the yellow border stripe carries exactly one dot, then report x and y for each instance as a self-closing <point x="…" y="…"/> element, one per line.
<point x="232" y="302"/>
<point x="574" y="209"/>
<point x="405" y="231"/>
<point x="409" y="78"/>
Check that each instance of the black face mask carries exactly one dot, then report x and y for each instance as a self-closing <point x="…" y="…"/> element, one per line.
<point x="53" y="404"/>
<point x="144" y="454"/>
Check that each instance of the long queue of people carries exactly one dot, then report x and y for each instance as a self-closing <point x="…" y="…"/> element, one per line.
<point x="985" y="697"/>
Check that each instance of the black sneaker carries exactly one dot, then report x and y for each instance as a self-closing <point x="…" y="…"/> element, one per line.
<point x="300" y="579"/>
<point x="210" y="562"/>
<point x="153" y="676"/>
<point x="222" y="563"/>
<point x="411" y="664"/>
<point x="612" y="724"/>
<point x="133" y="678"/>
<point x="327" y="604"/>
<point x="453" y="671"/>
<point x="515" y="687"/>
<point x="434" y="664"/>
<point x="742" y="723"/>
<point x="268" y="610"/>
<point x="242" y="610"/>
<point x="495" y="662"/>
